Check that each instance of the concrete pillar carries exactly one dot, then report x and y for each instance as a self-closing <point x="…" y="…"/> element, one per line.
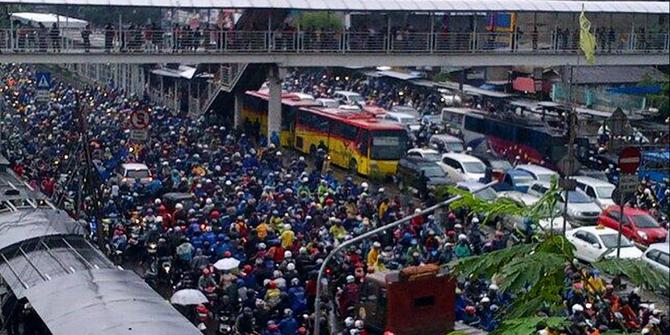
<point x="237" y="112"/>
<point x="274" y="105"/>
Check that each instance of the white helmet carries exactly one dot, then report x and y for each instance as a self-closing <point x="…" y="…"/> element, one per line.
<point x="290" y="267"/>
<point x="348" y="322"/>
<point x="364" y="185"/>
<point x="577" y="308"/>
<point x="462" y="237"/>
<point x="350" y="279"/>
<point x="358" y="324"/>
<point x="475" y="220"/>
<point x="288" y="254"/>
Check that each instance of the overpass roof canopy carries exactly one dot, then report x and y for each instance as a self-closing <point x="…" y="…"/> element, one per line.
<point x="641" y="7"/>
<point x="49" y="19"/>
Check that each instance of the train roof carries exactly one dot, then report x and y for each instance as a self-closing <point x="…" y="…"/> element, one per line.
<point x="358" y="119"/>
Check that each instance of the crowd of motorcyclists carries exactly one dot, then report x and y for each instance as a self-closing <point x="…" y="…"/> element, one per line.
<point x="268" y="212"/>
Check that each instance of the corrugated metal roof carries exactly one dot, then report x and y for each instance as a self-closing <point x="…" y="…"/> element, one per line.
<point x="22" y="225"/>
<point x="47" y="19"/>
<point x="110" y="302"/>
<point x="656" y="7"/>
<point x="605" y="74"/>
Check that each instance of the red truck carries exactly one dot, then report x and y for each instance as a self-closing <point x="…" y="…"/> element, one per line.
<point x="417" y="300"/>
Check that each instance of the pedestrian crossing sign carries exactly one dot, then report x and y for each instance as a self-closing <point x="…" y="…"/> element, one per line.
<point x="43" y="80"/>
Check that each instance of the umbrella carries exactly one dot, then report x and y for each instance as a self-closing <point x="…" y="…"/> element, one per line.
<point x="226" y="264"/>
<point x="187" y="297"/>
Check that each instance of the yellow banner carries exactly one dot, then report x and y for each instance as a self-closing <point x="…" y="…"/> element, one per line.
<point x="587" y="41"/>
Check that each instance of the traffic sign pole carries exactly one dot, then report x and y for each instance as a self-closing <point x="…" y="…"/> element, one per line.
<point x="629" y="160"/>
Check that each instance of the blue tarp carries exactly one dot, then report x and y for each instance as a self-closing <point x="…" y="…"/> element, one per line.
<point x="636" y="90"/>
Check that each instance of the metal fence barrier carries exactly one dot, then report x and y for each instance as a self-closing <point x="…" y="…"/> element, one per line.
<point x="32" y="40"/>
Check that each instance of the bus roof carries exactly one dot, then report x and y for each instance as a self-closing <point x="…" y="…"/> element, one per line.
<point x="288" y="98"/>
<point x="358" y="119"/>
<point x="461" y="110"/>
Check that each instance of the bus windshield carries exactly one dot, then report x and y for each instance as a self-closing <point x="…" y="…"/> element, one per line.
<point x="388" y="144"/>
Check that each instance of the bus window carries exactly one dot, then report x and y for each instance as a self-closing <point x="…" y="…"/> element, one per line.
<point x="388" y="144"/>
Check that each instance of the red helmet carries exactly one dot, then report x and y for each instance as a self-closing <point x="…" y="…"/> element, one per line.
<point x="470" y="309"/>
<point x="247" y="268"/>
<point x="302" y="330"/>
<point x="273" y="327"/>
<point x="205" y="271"/>
<point x="227" y="254"/>
<point x="214" y="215"/>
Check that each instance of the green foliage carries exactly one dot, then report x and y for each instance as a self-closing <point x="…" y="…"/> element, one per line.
<point x="660" y="100"/>
<point x="544" y="207"/>
<point x="637" y="272"/>
<point x="525" y="326"/>
<point x="443" y="76"/>
<point x="538" y="266"/>
<point x="319" y="20"/>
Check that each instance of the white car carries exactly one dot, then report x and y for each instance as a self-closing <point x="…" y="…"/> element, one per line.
<point x="539" y="172"/>
<point x="549" y="221"/>
<point x="581" y="209"/>
<point x="598" y="190"/>
<point x="405" y="110"/>
<point x="595" y="243"/>
<point x="349" y="108"/>
<point x="462" y="167"/>
<point x="408" y="120"/>
<point x="130" y="172"/>
<point x="487" y="194"/>
<point x="427" y="154"/>
<point x="658" y="256"/>
<point x="349" y="98"/>
<point x="328" y="103"/>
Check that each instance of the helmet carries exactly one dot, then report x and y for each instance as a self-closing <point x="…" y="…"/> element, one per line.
<point x="493" y="287"/>
<point x="350" y="279"/>
<point x="349" y="322"/>
<point x="290" y="266"/>
<point x="475" y="220"/>
<point x="577" y="308"/>
<point x="288" y="254"/>
<point x="364" y="185"/>
<point x="470" y="309"/>
<point x="462" y="237"/>
<point x="358" y="324"/>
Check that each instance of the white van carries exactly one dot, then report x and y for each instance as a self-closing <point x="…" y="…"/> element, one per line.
<point x="349" y="98"/>
<point x="407" y="120"/>
<point x="600" y="191"/>
<point x="130" y="172"/>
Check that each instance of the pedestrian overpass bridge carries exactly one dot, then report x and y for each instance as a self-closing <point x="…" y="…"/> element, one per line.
<point x="310" y="49"/>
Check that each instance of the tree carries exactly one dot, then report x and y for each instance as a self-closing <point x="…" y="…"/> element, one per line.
<point x="534" y="272"/>
<point x="319" y="20"/>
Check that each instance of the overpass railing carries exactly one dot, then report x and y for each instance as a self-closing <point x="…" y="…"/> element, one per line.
<point x="159" y="41"/>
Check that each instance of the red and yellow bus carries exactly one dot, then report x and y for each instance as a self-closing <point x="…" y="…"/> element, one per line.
<point x="355" y="141"/>
<point x="255" y="111"/>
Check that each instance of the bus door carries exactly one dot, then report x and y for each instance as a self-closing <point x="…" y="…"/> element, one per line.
<point x="363" y="147"/>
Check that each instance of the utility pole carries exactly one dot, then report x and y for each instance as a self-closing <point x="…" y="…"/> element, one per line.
<point x="89" y="177"/>
<point x="571" y="118"/>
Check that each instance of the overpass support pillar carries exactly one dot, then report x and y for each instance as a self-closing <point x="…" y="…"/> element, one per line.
<point x="237" y="110"/>
<point x="274" y="106"/>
